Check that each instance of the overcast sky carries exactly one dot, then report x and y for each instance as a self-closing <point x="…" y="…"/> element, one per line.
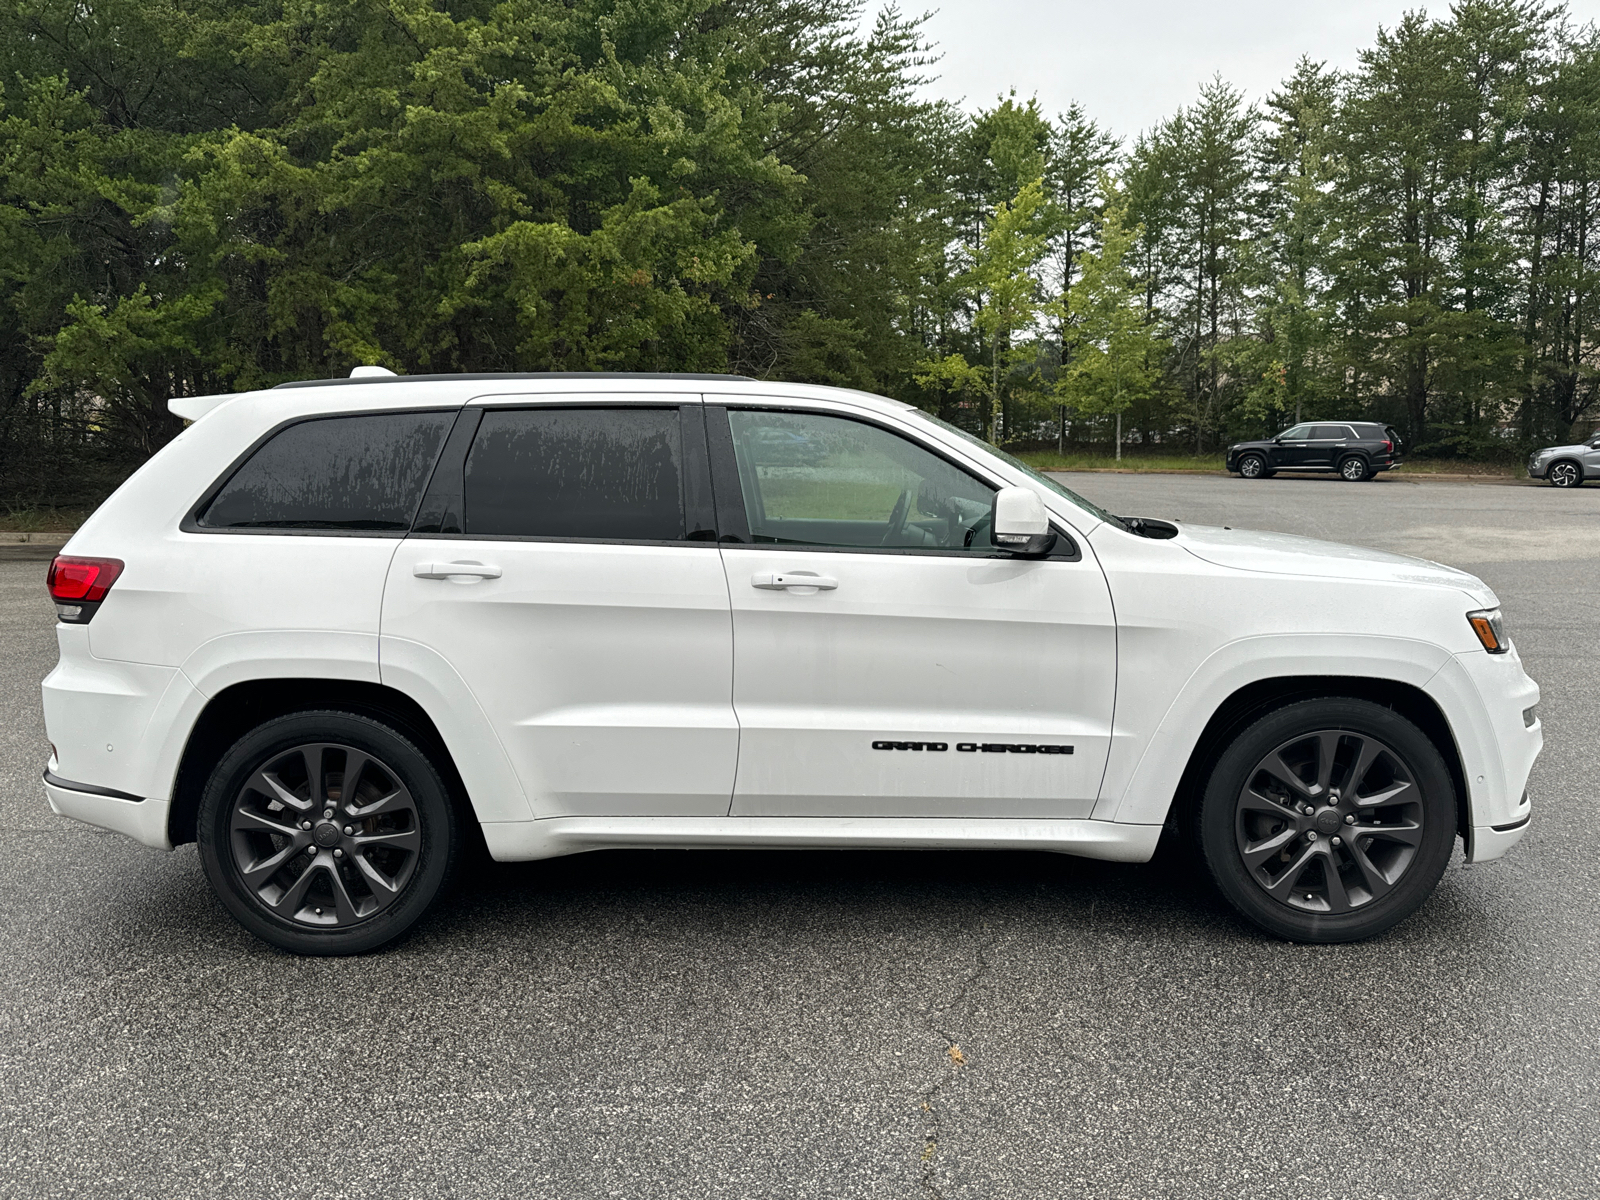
<point x="1132" y="62"/>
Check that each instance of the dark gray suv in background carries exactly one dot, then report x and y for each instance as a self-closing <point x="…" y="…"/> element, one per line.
<point x="1357" y="450"/>
<point x="1567" y="466"/>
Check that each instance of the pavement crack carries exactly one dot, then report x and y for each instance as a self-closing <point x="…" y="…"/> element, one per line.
<point x="955" y="1061"/>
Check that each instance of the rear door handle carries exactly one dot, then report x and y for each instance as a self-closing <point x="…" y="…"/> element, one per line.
<point x="436" y="570"/>
<point x="776" y="582"/>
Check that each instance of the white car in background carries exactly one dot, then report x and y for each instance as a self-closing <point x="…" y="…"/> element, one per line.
<point x="334" y="625"/>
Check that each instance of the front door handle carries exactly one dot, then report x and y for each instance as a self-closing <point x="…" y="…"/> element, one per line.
<point x="776" y="582"/>
<point x="455" y="570"/>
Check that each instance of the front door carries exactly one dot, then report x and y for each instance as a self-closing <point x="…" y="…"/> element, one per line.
<point x="565" y="567"/>
<point x="1293" y="447"/>
<point x="889" y="660"/>
<point x="1591" y="458"/>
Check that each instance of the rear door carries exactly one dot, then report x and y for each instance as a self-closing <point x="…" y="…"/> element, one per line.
<point x="889" y="660"/>
<point x="1326" y="446"/>
<point x="564" y="565"/>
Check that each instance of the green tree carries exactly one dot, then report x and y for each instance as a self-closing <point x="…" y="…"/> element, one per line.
<point x="1009" y="299"/>
<point x="1116" y="353"/>
<point x="1293" y="369"/>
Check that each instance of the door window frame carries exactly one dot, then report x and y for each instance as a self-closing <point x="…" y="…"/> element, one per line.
<point x="442" y="513"/>
<point x="733" y="521"/>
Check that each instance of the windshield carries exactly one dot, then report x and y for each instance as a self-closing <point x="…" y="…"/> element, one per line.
<point x="1064" y="492"/>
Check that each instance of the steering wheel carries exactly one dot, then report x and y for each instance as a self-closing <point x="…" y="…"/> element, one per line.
<point x="897" y="518"/>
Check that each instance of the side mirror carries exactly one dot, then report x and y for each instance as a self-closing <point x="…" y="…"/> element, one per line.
<point x="1020" y="523"/>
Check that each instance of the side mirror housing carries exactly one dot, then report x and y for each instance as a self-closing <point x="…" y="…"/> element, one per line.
<point x="1021" y="524"/>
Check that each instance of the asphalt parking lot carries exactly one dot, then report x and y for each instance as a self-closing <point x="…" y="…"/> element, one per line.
<point x="832" y="1024"/>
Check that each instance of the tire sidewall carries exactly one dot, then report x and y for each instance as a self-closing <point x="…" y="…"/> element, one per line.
<point x="1216" y="817"/>
<point x="435" y="813"/>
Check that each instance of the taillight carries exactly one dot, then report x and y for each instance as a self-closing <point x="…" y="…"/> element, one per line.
<point x="77" y="585"/>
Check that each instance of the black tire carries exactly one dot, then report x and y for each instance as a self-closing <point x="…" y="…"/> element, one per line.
<point x="272" y="832"/>
<point x="1253" y="466"/>
<point x="1354" y="469"/>
<point x="1565" y="473"/>
<point x="1346" y="870"/>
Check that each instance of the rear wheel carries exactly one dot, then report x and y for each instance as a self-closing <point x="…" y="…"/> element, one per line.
<point x="1355" y="469"/>
<point x="327" y="833"/>
<point x="1328" y="820"/>
<point x="1565" y="473"/>
<point x="1253" y="466"/>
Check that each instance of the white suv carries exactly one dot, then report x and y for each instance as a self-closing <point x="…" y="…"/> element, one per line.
<point x="335" y="625"/>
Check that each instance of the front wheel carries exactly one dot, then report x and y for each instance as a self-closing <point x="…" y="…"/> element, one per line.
<point x="326" y="833"/>
<point x="1328" y="820"/>
<point x="1565" y="474"/>
<point x="1253" y="466"/>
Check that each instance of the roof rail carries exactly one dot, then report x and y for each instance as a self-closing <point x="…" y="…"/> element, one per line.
<point x="469" y="376"/>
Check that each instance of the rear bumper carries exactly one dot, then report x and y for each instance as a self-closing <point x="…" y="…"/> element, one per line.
<point x="143" y="820"/>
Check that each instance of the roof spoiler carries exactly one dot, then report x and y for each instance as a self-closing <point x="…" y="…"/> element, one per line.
<point x="192" y="408"/>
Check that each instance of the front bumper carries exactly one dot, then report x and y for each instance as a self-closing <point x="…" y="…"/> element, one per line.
<point x="145" y="821"/>
<point x="1489" y="702"/>
<point x="1485" y="843"/>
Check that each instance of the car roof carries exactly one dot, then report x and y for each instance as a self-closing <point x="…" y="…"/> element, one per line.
<point x="408" y="391"/>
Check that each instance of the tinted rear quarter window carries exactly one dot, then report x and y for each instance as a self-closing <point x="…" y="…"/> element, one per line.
<point x="341" y="473"/>
<point x="600" y="474"/>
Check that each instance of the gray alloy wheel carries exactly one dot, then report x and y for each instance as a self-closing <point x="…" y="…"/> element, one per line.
<point x="324" y="835"/>
<point x="1565" y="473"/>
<point x="1252" y="466"/>
<point x="327" y="832"/>
<point x="1328" y="820"/>
<point x="1354" y="469"/>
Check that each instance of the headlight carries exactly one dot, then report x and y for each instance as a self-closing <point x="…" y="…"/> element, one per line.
<point x="1490" y="626"/>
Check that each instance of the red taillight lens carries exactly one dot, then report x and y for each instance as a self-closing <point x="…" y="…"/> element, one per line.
<point x="1388" y="447"/>
<point x="82" y="580"/>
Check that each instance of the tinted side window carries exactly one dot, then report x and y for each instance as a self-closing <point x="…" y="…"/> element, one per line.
<point x="363" y="472"/>
<point x="1300" y="433"/>
<point x="598" y="473"/>
<point x="1330" y="433"/>
<point x="816" y="480"/>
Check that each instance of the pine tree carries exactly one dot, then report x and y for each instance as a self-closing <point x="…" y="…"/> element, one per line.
<point x="1116" y="353"/>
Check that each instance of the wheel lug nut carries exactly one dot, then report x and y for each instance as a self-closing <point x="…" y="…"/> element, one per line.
<point x="311" y="850"/>
<point x="1309" y="810"/>
<point x="1337" y="842"/>
<point x="1312" y="836"/>
<point x="1350" y="820"/>
<point x="338" y="853"/>
<point x="305" y="824"/>
<point x="349" y="829"/>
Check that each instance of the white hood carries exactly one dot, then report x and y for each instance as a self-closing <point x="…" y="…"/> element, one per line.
<point x="1285" y="554"/>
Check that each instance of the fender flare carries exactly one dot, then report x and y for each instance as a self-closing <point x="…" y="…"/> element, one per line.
<point x="1142" y="782"/>
<point x="335" y="658"/>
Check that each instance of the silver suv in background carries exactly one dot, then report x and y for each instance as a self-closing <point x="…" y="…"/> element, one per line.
<point x="1567" y="466"/>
